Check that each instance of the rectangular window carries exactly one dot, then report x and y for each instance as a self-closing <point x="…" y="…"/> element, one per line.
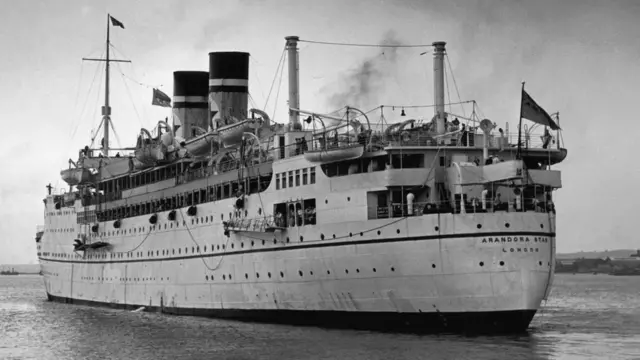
<point x="284" y="180"/>
<point x="313" y="175"/>
<point x="298" y="177"/>
<point x="277" y="181"/>
<point x="305" y="176"/>
<point x="290" y="178"/>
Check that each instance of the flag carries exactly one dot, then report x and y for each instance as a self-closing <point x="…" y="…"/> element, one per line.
<point x="532" y="111"/>
<point x="160" y="99"/>
<point x="115" y="22"/>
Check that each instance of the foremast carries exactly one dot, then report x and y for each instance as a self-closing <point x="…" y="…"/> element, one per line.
<point x="106" y="109"/>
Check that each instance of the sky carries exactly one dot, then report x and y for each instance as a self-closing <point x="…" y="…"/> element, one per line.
<point x="578" y="57"/>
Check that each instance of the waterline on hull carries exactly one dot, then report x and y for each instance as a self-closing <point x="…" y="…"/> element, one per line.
<point x="488" y="322"/>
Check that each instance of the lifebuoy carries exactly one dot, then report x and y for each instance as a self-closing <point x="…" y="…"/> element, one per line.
<point x="116" y="224"/>
<point x="192" y="211"/>
<point x="172" y="215"/>
<point x="153" y="219"/>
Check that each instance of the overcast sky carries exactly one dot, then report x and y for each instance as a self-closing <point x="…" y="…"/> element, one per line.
<point x="580" y="58"/>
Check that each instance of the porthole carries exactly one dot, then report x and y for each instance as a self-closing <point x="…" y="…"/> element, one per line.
<point x="361" y="233"/>
<point x="437" y="228"/>
<point x="346" y="271"/>
<point x="379" y="232"/>
<point x="221" y="216"/>
<point x="541" y="226"/>
<point x="300" y="272"/>
<point x="348" y="198"/>
<point x="321" y="236"/>
<point x="374" y="269"/>
<point x="252" y="243"/>
<point x="232" y="246"/>
<point x="257" y="275"/>
<point x="540" y="263"/>
<point x="269" y="275"/>
<point x="206" y="277"/>
<point x="393" y="269"/>
<point x="311" y="272"/>
<point x="242" y="245"/>
<point x="287" y="239"/>
<point x="263" y="242"/>
<point x="246" y="276"/>
<point x="301" y="238"/>
<point x="259" y="211"/>
<point x="230" y="277"/>
<point x="281" y="274"/>
<point x="397" y="231"/>
<point x="433" y="266"/>
<point x="326" y="201"/>
<point x="501" y="263"/>
<point x="224" y="277"/>
<point x="328" y="272"/>
<point x="205" y="248"/>
<point x="274" y="241"/>
<point x="481" y="263"/>
<point x="334" y="236"/>
<point x="350" y="234"/>
<point x="507" y="225"/>
<point x="358" y="270"/>
<point x="479" y="226"/>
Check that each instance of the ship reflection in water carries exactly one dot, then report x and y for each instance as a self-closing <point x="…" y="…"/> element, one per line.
<point x="586" y="317"/>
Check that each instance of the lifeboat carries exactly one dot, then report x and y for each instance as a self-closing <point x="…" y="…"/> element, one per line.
<point x="231" y="135"/>
<point x="76" y="176"/>
<point x="149" y="151"/>
<point x="202" y="144"/>
<point x="347" y="152"/>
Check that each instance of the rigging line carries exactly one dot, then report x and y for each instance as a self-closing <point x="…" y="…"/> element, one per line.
<point x="86" y="99"/>
<point x="363" y="45"/>
<point x="75" y="103"/>
<point x="130" y="97"/>
<point x="446" y="81"/>
<point x="275" y="106"/>
<point x="225" y="247"/>
<point x="455" y="84"/>
<point x="95" y="111"/>
<point x="142" y="242"/>
<point x="251" y="58"/>
<point x="275" y="76"/>
<point x="427" y="106"/>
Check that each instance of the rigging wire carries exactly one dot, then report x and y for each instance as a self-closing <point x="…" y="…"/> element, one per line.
<point x="86" y="99"/>
<point x="130" y="97"/>
<point x="364" y="45"/>
<point x="275" y="106"/>
<point x="455" y="84"/>
<point x="275" y="76"/>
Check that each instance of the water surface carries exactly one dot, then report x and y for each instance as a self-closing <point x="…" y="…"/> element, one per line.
<point x="587" y="317"/>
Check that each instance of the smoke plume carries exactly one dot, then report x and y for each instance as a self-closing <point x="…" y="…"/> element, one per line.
<point x="360" y="87"/>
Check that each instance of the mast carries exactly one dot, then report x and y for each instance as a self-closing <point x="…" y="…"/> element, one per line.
<point x="438" y="84"/>
<point x="106" y="109"/>
<point x="294" y="82"/>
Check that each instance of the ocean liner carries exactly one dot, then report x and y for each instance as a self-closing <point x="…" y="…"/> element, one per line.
<point x="438" y="224"/>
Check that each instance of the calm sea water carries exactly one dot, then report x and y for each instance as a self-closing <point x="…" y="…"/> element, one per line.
<point x="588" y="317"/>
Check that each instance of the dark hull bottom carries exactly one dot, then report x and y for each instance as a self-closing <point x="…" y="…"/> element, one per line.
<point x="494" y="322"/>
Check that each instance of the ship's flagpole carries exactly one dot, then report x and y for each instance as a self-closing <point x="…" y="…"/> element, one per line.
<point x="518" y="154"/>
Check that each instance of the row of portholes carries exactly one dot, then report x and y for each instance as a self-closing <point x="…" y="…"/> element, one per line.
<point x="502" y="263"/>
<point x="300" y="273"/>
<point x="507" y="225"/>
<point x="60" y="230"/>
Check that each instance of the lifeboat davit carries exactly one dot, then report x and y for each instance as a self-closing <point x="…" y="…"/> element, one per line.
<point x="150" y="151"/>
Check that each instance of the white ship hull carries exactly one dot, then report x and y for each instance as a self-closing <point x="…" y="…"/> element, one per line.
<point x="402" y="269"/>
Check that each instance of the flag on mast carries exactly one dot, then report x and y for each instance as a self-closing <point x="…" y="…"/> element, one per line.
<point x="115" y="22"/>
<point x="160" y="99"/>
<point x="534" y="112"/>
